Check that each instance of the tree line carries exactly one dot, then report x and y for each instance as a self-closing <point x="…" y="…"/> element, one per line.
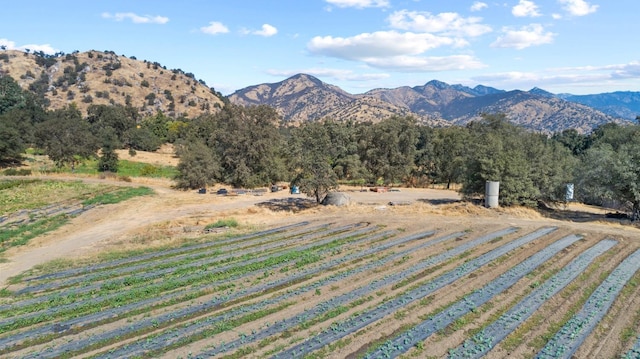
<point x="249" y="147"/>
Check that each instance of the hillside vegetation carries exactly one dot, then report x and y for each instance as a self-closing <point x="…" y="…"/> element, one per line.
<point x="105" y="78"/>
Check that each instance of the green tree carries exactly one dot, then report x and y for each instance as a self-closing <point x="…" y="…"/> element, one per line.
<point x="11" y="95"/>
<point x="343" y="151"/>
<point x="528" y="166"/>
<point x="158" y="125"/>
<point x="388" y="149"/>
<point x="65" y="136"/>
<point x="573" y="140"/>
<point x="198" y="166"/>
<point x="450" y="147"/>
<point x="11" y="141"/>
<point x="142" y="139"/>
<point x="108" y="161"/>
<point x="610" y="169"/>
<point x="249" y="145"/>
<point x="108" y="119"/>
<point x="311" y="161"/>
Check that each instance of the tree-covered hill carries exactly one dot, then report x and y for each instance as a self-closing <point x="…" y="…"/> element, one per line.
<point x="105" y="78"/>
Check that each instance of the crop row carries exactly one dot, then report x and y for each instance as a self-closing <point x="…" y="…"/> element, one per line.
<point x="478" y="345"/>
<point x="172" y="279"/>
<point x="233" y="303"/>
<point x="161" y="266"/>
<point x="220" y="301"/>
<point x="167" y="252"/>
<point x="191" y="311"/>
<point x="341" y="329"/>
<point x="469" y="303"/>
<point x="70" y="294"/>
<point x="569" y="338"/>
<point x="633" y="352"/>
<point x="119" y="308"/>
<point x="193" y="329"/>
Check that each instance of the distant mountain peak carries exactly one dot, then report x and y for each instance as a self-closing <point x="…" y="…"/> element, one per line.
<point x="438" y="84"/>
<point x="305" y="77"/>
<point x="540" y="92"/>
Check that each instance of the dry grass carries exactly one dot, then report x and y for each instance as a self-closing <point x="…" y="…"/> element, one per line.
<point x="164" y="156"/>
<point x="124" y="81"/>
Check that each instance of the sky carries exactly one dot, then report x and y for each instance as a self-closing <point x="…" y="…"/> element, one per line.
<point x="562" y="46"/>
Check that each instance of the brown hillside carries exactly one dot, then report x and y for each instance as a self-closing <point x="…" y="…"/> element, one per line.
<point x="96" y="77"/>
<point x="303" y="98"/>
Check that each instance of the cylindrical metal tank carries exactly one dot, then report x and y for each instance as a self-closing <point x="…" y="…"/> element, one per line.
<point x="492" y="190"/>
<point x="569" y="195"/>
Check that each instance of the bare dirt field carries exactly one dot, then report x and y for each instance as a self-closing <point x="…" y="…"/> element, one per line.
<point x="287" y="305"/>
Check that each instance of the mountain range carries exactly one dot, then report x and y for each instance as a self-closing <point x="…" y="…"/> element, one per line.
<point x="303" y="97"/>
<point x="103" y="77"/>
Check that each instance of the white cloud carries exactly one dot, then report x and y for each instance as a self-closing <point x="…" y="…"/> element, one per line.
<point x="215" y="28"/>
<point x="426" y="64"/>
<point x="378" y="44"/>
<point x="136" y="19"/>
<point x="626" y="71"/>
<point x="359" y="4"/>
<point x="10" y="45"/>
<point x="342" y="75"/>
<point x="447" y="23"/>
<point x="525" y="8"/>
<point x="266" y="31"/>
<point x="477" y="6"/>
<point x="46" y="48"/>
<point x="598" y="78"/>
<point x="578" y="7"/>
<point x="526" y="36"/>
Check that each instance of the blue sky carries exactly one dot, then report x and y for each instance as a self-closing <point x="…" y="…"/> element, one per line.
<point x="563" y="46"/>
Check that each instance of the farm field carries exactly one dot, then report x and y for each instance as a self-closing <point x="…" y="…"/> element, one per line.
<point x="430" y="278"/>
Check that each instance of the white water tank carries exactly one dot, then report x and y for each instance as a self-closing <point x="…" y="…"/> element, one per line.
<point x="492" y="189"/>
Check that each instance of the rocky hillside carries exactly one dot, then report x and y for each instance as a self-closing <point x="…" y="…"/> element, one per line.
<point x="625" y="104"/>
<point x="96" y="77"/>
<point x="458" y="104"/>
<point x="304" y="97"/>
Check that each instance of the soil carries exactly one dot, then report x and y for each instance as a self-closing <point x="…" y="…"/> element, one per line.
<point x="170" y="215"/>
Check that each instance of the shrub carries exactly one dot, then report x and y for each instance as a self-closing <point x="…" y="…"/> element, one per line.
<point x="148" y="170"/>
<point x="17" y="172"/>
<point x="221" y="223"/>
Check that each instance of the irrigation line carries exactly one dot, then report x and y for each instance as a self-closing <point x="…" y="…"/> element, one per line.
<point x="569" y="338"/>
<point x="49" y="297"/>
<point x="91" y="319"/>
<point x="188" y="312"/>
<point x="481" y="343"/>
<point x="194" y="328"/>
<point x="107" y="297"/>
<point x="403" y="342"/>
<point x="326" y="306"/>
<point x="142" y="257"/>
<point x="360" y="292"/>
<point x="339" y="330"/>
<point x="96" y="278"/>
